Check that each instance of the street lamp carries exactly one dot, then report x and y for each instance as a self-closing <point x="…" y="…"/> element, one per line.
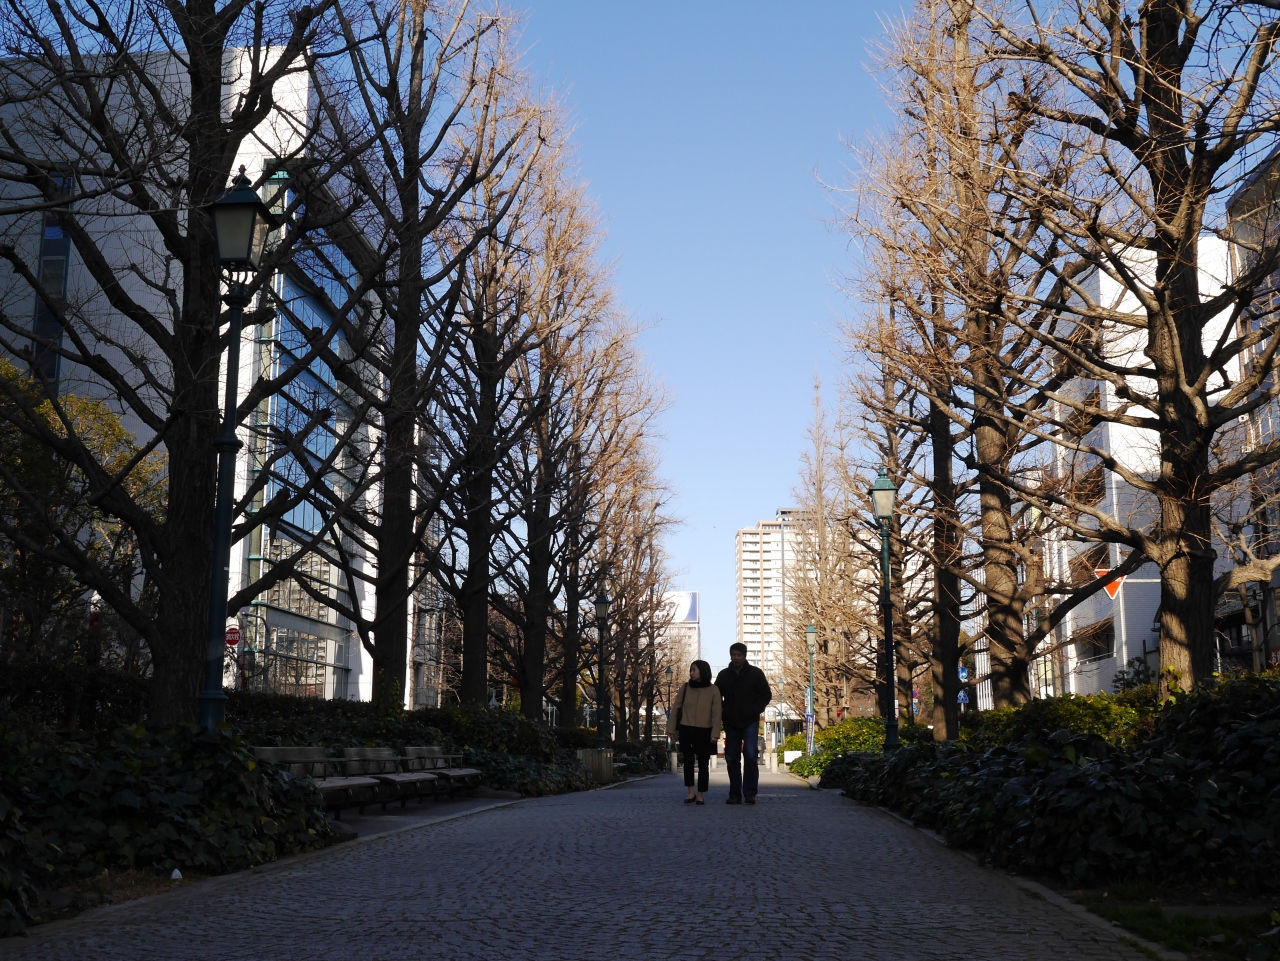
<point x="883" y="495"/>
<point x="811" y="640"/>
<point x="241" y="222"/>
<point x="670" y="673"/>
<point x="602" y="701"/>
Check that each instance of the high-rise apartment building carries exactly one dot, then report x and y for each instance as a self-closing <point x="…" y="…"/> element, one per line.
<point x="763" y="553"/>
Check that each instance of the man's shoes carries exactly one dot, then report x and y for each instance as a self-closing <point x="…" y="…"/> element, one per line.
<point x="733" y="799"/>
<point x="750" y="799"/>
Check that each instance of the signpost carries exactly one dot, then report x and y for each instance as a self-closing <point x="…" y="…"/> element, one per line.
<point x="233" y="635"/>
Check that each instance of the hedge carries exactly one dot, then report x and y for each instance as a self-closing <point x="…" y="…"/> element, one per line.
<point x="1190" y="793"/>
<point x="110" y="795"/>
<point x="72" y="695"/>
<point x="74" y="804"/>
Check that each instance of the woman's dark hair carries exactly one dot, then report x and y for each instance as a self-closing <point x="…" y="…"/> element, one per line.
<point x="704" y="674"/>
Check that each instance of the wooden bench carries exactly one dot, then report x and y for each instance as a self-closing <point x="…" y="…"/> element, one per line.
<point x="443" y="767"/>
<point x="403" y="778"/>
<point x="338" y="789"/>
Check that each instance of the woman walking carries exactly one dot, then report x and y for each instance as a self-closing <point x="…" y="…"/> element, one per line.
<point x="695" y="716"/>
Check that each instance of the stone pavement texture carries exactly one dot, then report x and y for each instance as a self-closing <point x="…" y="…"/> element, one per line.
<point x="627" y="873"/>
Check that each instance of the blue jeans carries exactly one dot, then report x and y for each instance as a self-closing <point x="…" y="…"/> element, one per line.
<point x="740" y="742"/>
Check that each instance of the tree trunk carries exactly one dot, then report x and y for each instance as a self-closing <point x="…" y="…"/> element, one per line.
<point x="1184" y="529"/>
<point x="1010" y="666"/>
<point x="473" y="599"/>
<point x="478" y="521"/>
<point x="946" y="614"/>
<point x="571" y="644"/>
<point x="538" y="599"/>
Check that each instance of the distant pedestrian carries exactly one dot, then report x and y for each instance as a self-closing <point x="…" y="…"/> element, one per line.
<point x="695" y="717"/>
<point x="746" y="695"/>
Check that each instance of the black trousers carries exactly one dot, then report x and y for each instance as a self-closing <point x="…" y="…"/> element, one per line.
<point x="695" y="742"/>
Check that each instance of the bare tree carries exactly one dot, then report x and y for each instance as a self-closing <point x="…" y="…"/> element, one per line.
<point x="117" y="127"/>
<point x="440" y="154"/>
<point x="1167" y="102"/>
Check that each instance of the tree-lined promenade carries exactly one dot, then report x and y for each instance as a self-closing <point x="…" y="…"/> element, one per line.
<point x="420" y="543"/>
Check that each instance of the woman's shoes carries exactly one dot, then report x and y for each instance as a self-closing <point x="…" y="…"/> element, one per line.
<point x="688" y="800"/>
<point x="699" y="802"/>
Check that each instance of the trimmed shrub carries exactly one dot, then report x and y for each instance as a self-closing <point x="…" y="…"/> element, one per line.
<point x="642" y="758"/>
<point x="576" y="738"/>
<point x="1100" y="715"/>
<point x="850" y="735"/>
<point x="512" y="752"/>
<point x="1194" y="800"/>
<point x="513" y="772"/>
<point x="139" y="797"/>
<point x="73" y="695"/>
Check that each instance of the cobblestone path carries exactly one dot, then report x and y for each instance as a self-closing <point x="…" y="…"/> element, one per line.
<point x="628" y="873"/>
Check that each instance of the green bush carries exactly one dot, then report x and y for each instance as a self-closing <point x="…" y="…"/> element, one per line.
<point x="332" y="723"/>
<point x="512" y="752"/>
<point x="138" y="797"/>
<point x="513" y="772"/>
<point x="643" y="758"/>
<point x="1190" y="798"/>
<point x="576" y="738"/>
<point x="73" y="695"/>
<point x="792" y="742"/>
<point x="843" y="737"/>
<point x="1102" y="716"/>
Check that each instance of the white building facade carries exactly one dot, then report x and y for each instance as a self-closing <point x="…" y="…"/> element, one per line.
<point x="1116" y="627"/>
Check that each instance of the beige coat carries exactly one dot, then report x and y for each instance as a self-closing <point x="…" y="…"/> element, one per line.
<point x="700" y="707"/>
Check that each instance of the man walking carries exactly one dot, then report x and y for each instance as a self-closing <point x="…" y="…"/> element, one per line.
<point x="746" y="694"/>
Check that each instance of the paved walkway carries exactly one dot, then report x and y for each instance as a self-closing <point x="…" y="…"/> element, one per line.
<point x="625" y="873"/>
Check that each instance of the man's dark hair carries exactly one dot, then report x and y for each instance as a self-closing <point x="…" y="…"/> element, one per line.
<point x="737" y="646"/>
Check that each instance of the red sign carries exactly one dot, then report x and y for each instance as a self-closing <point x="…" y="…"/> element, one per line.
<point x="1114" y="587"/>
<point x="233" y="635"/>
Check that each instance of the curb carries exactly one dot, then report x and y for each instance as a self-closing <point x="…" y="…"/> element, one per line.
<point x="1113" y="928"/>
<point x="630" y="780"/>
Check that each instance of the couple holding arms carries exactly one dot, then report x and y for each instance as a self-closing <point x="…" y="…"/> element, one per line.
<point x="735" y="701"/>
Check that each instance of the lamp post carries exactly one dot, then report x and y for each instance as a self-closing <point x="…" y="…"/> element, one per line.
<point x="670" y="673"/>
<point x="811" y="640"/>
<point x="241" y="222"/>
<point x="883" y="495"/>
<point x="602" y="700"/>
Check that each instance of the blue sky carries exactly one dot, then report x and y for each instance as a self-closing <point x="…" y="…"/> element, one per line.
<point x="703" y="129"/>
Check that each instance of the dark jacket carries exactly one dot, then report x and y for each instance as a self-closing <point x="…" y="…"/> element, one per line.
<point x="746" y="695"/>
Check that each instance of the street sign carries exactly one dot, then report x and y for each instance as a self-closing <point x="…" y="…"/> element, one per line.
<point x="962" y="697"/>
<point x="233" y="635"/>
<point x="964" y="674"/>
<point x="1114" y="587"/>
